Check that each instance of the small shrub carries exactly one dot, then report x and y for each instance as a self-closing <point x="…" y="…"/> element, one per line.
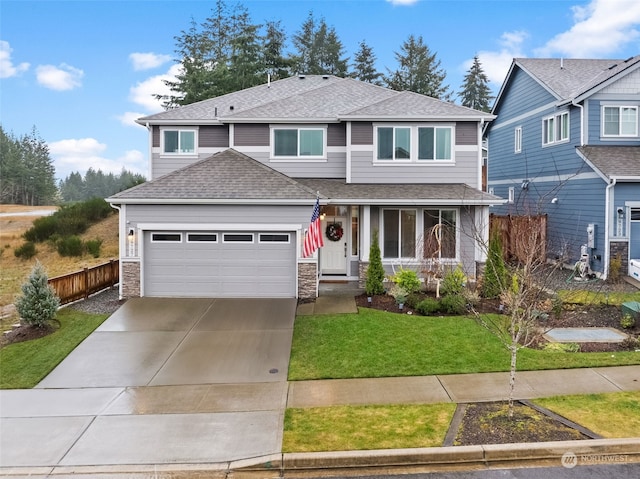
<point x="556" y="306"/>
<point x="494" y="280"/>
<point x="413" y="300"/>
<point x="631" y="343"/>
<point x="398" y="293"/>
<point x="93" y="247"/>
<point x="42" y="229"/>
<point x="70" y="246"/>
<point x="428" y="306"/>
<point x="453" y="304"/>
<point x="472" y="298"/>
<point x="38" y="303"/>
<point x="562" y="347"/>
<point x="26" y="251"/>
<point x="627" y="321"/>
<point x="453" y="282"/>
<point x="408" y="280"/>
<point x="615" y="267"/>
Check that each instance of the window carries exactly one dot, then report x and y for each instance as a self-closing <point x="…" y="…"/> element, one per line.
<point x="237" y="238"/>
<point x="298" y="142"/>
<point x="202" y="238"/>
<point x="354" y="230"/>
<point x="620" y="121"/>
<point x="434" y="143"/>
<point x="517" y="141"/>
<point x="440" y="234"/>
<point x="179" y="142"/>
<point x="410" y="143"/>
<point x="273" y="238"/>
<point x="399" y="234"/>
<point x="166" y="237"/>
<point x="555" y="129"/>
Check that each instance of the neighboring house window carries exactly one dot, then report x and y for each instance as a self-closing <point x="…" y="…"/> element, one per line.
<point x="298" y="142"/>
<point x="399" y="234"/>
<point x="179" y="142"/>
<point x="414" y="143"/>
<point x="440" y="234"/>
<point x="517" y="141"/>
<point x="512" y="194"/>
<point x="620" y="121"/>
<point x="555" y="129"/>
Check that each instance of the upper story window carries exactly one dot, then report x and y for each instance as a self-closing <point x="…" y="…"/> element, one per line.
<point x="555" y="129"/>
<point x="620" y="121"/>
<point x="517" y="140"/>
<point x="179" y="142"/>
<point x="299" y="142"/>
<point x="410" y="143"/>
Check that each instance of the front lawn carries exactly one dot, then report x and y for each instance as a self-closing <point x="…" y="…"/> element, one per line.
<point x="376" y="343"/>
<point x="25" y="364"/>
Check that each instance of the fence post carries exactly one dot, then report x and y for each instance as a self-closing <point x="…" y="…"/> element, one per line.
<point x="86" y="282"/>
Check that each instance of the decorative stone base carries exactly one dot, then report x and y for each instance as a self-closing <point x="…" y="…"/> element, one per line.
<point x="620" y="249"/>
<point x="130" y="279"/>
<point x="307" y="280"/>
<point x="362" y="273"/>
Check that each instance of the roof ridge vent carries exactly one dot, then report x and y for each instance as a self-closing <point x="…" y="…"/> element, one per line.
<point x="612" y="66"/>
<point x="302" y="77"/>
<point x="325" y="77"/>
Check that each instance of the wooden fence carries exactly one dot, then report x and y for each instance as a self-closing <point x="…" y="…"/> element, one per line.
<point x="79" y="285"/>
<point x="521" y="235"/>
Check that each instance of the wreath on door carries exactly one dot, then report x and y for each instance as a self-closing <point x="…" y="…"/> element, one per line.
<point x="334" y="231"/>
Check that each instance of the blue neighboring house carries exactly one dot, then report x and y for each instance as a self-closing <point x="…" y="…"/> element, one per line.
<point x="566" y="143"/>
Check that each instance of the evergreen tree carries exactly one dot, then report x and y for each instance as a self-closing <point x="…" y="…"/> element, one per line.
<point x="245" y="62"/>
<point x="96" y="184"/>
<point x="475" y="91"/>
<point x="319" y="51"/>
<point x="72" y="188"/>
<point x="494" y="280"/>
<point x="375" y="272"/>
<point x="418" y="70"/>
<point x="38" y="303"/>
<point x="364" y="67"/>
<point x="273" y="57"/>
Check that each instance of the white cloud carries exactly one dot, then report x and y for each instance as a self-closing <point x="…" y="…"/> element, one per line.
<point x="496" y="63"/>
<point x="143" y="92"/>
<point x="600" y="28"/>
<point x="81" y="154"/>
<point x="60" y="78"/>
<point x="7" y="68"/>
<point x="402" y="2"/>
<point x="128" y="118"/>
<point x="147" y="61"/>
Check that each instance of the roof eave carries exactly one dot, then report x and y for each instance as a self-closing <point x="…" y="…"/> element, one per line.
<point x="178" y="122"/>
<point x="418" y="118"/>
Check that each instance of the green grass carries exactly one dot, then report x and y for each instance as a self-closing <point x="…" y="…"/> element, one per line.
<point x="25" y="364"/>
<point x="380" y="344"/>
<point x="612" y="415"/>
<point x="345" y="428"/>
<point x="592" y="297"/>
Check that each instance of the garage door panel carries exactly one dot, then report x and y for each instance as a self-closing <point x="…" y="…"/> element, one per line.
<point x="219" y="269"/>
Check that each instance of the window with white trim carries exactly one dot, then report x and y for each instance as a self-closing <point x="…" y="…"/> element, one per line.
<point x="555" y="129"/>
<point x="273" y="238"/>
<point x="298" y="143"/>
<point x="620" y="121"/>
<point x="414" y="143"/>
<point x="202" y="238"/>
<point x="440" y="234"/>
<point x="237" y="238"/>
<point x="179" y="142"/>
<point x="166" y="237"/>
<point x="517" y="140"/>
<point x="399" y="233"/>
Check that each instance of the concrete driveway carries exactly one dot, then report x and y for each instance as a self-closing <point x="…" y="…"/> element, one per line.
<point x="162" y="381"/>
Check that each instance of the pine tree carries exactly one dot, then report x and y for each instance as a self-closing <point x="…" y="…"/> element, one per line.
<point x="418" y="71"/>
<point x="475" y="91"/>
<point x="364" y="67"/>
<point x="273" y="57"/>
<point x="38" y="303"/>
<point x="494" y="280"/>
<point x="375" y="272"/>
<point x="319" y="51"/>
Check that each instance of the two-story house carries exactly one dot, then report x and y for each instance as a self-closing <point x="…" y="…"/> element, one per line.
<point x="566" y="144"/>
<point x="234" y="181"/>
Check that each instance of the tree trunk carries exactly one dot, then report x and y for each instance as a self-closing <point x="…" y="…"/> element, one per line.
<point x="512" y="377"/>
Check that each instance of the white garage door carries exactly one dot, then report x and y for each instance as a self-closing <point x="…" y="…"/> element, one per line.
<point x="201" y="264"/>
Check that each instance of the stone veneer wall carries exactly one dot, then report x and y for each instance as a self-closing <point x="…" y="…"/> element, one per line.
<point x="307" y="280"/>
<point x="130" y="279"/>
<point x="620" y="248"/>
<point x="362" y="273"/>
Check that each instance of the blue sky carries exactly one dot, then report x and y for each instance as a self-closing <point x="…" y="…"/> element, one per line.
<point x="81" y="71"/>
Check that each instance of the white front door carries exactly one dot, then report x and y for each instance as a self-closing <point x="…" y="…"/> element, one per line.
<point x="333" y="255"/>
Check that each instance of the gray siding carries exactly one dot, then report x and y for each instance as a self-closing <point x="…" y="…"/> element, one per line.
<point x="155" y="136"/>
<point x="213" y="136"/>
<point x="251" y="135"/>
<point x="466" y="133"/>
<point x="361" y="133"/>
<point x="337" y="134"/>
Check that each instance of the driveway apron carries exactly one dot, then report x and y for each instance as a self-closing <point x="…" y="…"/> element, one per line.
<point x="161" y="381"/>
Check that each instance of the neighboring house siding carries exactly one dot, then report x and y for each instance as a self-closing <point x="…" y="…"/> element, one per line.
<point x="521" y="95"/>
<point x="594" y="121"/>
<point x="361" y="133"/>
<point x="624" y="193"/>
<point x="213" y="136"/>
<point x="251" y="135"/>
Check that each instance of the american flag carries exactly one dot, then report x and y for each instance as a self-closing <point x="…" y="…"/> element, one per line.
<point x="313" y="240"/>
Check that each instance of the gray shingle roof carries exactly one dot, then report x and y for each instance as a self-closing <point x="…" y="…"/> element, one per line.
<point x="234" y="177"/>
<point x="614" y="161"/>
<point x="313" y="98"/>
<point x="569" y="78"/>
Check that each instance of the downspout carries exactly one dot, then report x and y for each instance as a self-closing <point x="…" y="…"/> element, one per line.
<point x="607" y="214"/>
<point x="149" y="130"/>
<point x="120" y="247"/>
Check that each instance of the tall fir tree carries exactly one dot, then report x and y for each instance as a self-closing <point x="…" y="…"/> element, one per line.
<point x="319" y="50"/>
<point x="275" y="63"/>
<point x="418" y="71"/>
<point x="364" y="66"/>
<point x="475" y="91"/>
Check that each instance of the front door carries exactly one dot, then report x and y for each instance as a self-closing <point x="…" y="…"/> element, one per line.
<point x="333" y="256"/>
